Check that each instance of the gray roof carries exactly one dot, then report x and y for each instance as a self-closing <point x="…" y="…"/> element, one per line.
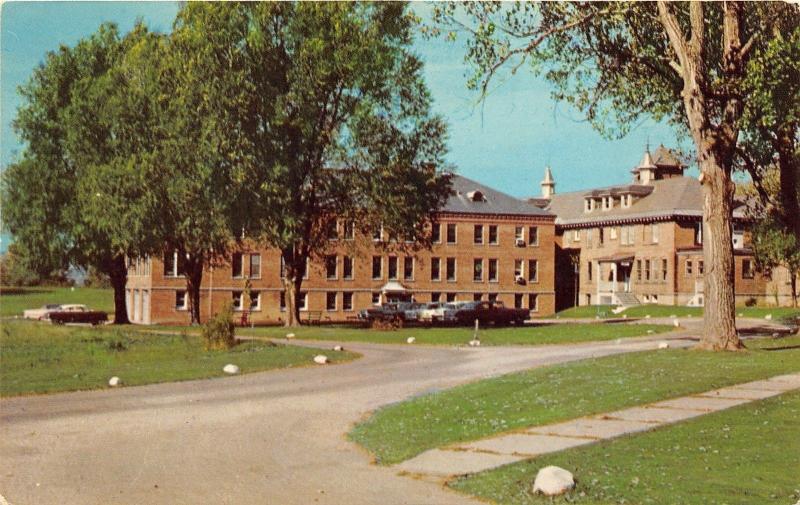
<point x="672" y="197"/>
<point x="464" y="200"/>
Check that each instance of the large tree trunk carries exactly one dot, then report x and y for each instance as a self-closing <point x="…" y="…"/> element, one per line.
<point x="193" y="270"/>
<point x="788" y="165"/>
<point x="291" y="295"/>
<point x="118" y="274"/>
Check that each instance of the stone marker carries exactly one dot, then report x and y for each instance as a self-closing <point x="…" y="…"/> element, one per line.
<point x="231" y="369"/>
<point x="289" y="335"/>
<point x="675" y="323"/>
<point x="553" y="481"/>
<point x="338" y="348"/>
<point x="320" y="359"/>
<point x="411" y="340"/>
<point x="114" y="381"/>
<point x="663" y="345"/>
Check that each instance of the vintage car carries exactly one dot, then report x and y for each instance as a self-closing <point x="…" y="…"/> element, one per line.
<point x="42" y="312"/>
<point x="451" y="309"/>
<point x="77" y="314"/>
<point x="431" y="313"/>
<point x="488" y="313"/>
<point x="413" y="311"/>
<point x="392" y="311"/>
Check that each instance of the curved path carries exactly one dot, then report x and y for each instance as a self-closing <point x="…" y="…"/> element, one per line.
<point x="272" y="437"/>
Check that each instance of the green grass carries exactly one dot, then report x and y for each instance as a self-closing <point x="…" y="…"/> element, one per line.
<point x="529" y="335"/>
<point x="587" y="312"/>
<point x="15" y="300"/>
<point x="591" y="311"/>
<point x="745" y="455"/>
<point x="561" y="392"/>
<point x="39" y="358"/>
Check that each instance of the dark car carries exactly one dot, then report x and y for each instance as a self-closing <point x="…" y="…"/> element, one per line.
<point x="393" y="311"/>
<point x="490" y="313"/>
<point x="93" y="317"/>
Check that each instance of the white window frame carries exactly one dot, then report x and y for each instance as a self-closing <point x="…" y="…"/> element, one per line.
<point x="185" y="305"/>
<point x="257" y="275"/>
<point x="257" y="306"/>
<point x="240" y="299"/>
<point x="345" y="295"/>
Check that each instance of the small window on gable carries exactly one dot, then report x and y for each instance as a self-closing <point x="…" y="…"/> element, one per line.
<point x="476" y="196"/>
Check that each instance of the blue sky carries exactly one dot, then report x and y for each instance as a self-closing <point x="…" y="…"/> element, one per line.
<point x="505" y="144"/>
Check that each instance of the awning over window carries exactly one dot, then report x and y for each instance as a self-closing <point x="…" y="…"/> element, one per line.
<point x="393" y="287"/>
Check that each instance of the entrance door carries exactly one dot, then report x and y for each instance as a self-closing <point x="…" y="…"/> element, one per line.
<point x="625" y="272"/>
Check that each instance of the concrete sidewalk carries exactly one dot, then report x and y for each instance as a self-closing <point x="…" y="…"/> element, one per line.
<point x="472" y="457"/>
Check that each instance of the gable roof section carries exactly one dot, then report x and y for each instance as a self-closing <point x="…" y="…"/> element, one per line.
<point x="493" y="202"/>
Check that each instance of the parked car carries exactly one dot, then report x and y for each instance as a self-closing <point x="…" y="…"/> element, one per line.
<point x="77" y="314"/>
<point x="393" y="311"/>
<point x="431" y="313"/>
<point x="42" y="312"/>
<point x="413" y="311"/>
<point x="490" y="313"/>
<point x="451" y="309"/>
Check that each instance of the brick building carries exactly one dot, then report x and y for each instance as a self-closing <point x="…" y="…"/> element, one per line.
<point x="642" y="242"/>
<point x="488" y="245"/>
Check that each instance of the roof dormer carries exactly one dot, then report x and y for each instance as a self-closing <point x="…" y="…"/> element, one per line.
<point x="476" y="196"/>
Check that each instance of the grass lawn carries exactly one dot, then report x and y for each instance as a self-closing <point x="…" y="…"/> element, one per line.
<point x="741" y="456"/>
<point x="14" y="300"/>
<point x="529" y="335"/>
<point x="40" y="358"/>
<point x="604" y="311"/>
<point x="556" y="393"/>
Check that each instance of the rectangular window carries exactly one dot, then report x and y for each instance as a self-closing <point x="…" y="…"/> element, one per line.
<point x="589" y="270"/>
<point x="170" y="264"/>
<point x="408" y="268"/>
<point x="237" y="300"/>
<point x="519" y="236"/>
<point x="519" y="270"/>
<point x="349" y="230"/>
<point x="533" y="302"/>
<point x="533" y="270"/>
<point x="451" y="269"/>
<point x="436" y="297"/>
<point x="347" y="300"/>
<point x="688" y="267"/>
<point x="347" y="267"/>
<point x="451" y="297"/>
<point x="647" y="270"/>
<point x="237" y="266"/>
<point x="655" y="233"/>
<point x="576" y="235"/>
<point x="303" y="302"/>
<point x="392" y="267"/>
<point x="435" y="266"/>
<point x="376" y="298"/>
<point x="330" y="300"/>
<point x="330" y="267"/>
<point x="331" y="231"/>
<point x="436" y="233"/>
<point x="700" y="267"/>
<point x="377" y="234"/>
<point x="748" y="272"/>
<point x="612" y="233"/>
<point x="451" y="233"/>
<point x="663" y="269"/>
<point x="493" y="234"/>
<point x="698" y="233"/>
<point x="477" y="234"/>
<point x="601" y="236"/>
<point x="282" y="301"/>
<point x="180" y="300"/>
<point x="533" y="235"/>
<point x="255" y="300"/>
<point x="518" y="301"/>
<point x="477" y="269"/>
<point x="493" y="270"/>
<point x="377" y="267"/>
<point x="255" y="266"/>
<point x="493" y="297"/>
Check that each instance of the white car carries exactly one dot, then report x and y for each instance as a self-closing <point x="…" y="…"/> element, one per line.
<point x="432" y="312"/>
<point x="44" y="311"/>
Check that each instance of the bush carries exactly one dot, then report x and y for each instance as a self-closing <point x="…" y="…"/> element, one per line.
<point x="750" y="302"/>
<point x="218" y="332"/>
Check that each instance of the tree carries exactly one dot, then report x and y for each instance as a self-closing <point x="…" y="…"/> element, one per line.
<point x="16" y="271"/>
<point x="321" y="115"/>
<point x="685" y="62"/>
<point x="775" y="246"/>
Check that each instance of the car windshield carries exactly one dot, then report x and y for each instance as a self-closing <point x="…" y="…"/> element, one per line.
<point x="52" y="306"/>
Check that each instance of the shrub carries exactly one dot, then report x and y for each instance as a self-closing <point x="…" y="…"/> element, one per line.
<point x="750" y="302"/>
<point x="218" y="332"/>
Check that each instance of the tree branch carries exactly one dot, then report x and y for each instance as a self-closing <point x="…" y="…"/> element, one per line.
<point x="675" y="34"/>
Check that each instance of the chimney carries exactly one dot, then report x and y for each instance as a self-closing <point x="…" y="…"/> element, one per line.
<point x="548" y="184"/>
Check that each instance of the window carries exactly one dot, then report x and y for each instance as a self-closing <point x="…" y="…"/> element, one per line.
<point x="347" y="267"/>
<point x="377" y="234"/>
<point x="330" y="266"/>
<point x="331" y="231"/>
<point x="237" y="266"/>
<point x="255" y="300"/>
<point x="476" y="297"/>
<point x="330" y="300"/>
<point x="376" y="298"/>
<point x="451" y="233"/>
<point x="519" y="270"/>
<point x="533" y="235"/>
<point x="533" y="302"/>
<point x="518" y="301"/>
<point x="436" y="297"/>
<point x="519" y="235"/>
<point x="492" y="297"/>
<point x="626" y="235"/>
<point x="436" y="233"/>
<point x="655" y="233"/>
<point x="435" y="266"/>
<point x="647" y="270"/>
<point x="392" y="267"/>
<point x="533" y="270"/>
<point x="589" y="270"/>
<point x="688" y="267"/>
<point x="451" y="269"/>
<point x="347" y="300"/>
<point x="493" y="270"/>
<point x="700" y="267"/>
<point x="283" y="301"/>
<point x="612" y="233"/>
<point x="477" y="234"/>
<point x="349" y="230"/>
<point x="451" y="297"/>
<point x="600" y="236"/>
<point x="698" y="233"/>
<point x="377" y="267"/>
<point x="303" y="301"/>
<point x="255" y="266"/>
<point x="608" y="202"/>
<point x="747" y="269"/>
<point x="576" y="235"/>
<point x="180" y="300"/>
<point x="408" y="268"/>
<point x="171" y="264"/>
<point x="663" y="270"/>
<point x="237" y="300"/>
<point x="493" y="234"/>
<point x="477" y="269"/>
<point x="587" y="205"/>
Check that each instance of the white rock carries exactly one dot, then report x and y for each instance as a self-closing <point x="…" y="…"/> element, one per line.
<point x="320" y="359"/>
<point x="411" y="340"/>
<point x="673" y="316"/>
<point x="552" y="481"/>
<point x="676" y="323"/>
<point x="768" y="317"/>
<point x="231" y="369"/>
<point x="289" y="335"/>
<point x="740" y="314"/>
<point x="663" y="345"/>
<point x="624" y="316"/>
<point x="649" y="332"/>
<point x="647" y="316"/>
<point x="114" y="381"/>
<point x="618" y="341"/>
<point x="474" y="343"/>
<point x="338" y="348"/>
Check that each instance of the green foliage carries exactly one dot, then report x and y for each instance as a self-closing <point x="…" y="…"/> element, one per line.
<point x="219" y="331"/>
<point x="776" y="245"/>
<point x="16" y="270"/>
<point x="96" y="279"/>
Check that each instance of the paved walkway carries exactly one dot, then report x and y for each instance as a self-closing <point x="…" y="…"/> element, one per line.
<point x="471" y="457"/>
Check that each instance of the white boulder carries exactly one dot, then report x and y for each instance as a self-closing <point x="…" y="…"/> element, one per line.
<point x="338" y="348"/>
<point x="650" y="332"/>
<point x="475" y="343"/>
<point x="675" y="323"/>
<point x="230" y="369"/>
<point x="114" y="381"/>
<point x="411" y="340"/>
<point x="553" y="481"/>
<point x="647" y="316"/>
<point x="663" y="345"/>
<point x="289" y="336"/>
<point x="768" y="317"/>
<point x="320" y="359"/>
